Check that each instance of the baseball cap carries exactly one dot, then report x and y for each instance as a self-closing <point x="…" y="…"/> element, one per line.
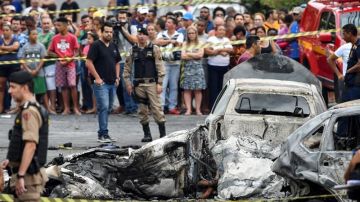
<point x="98" y="14"/>
<point x="143" y="10"/>
<point x="11" y="8"/>
<point x="297" y="10"/>
<point x="142" y="30"/>
<point x="187" y="16"/>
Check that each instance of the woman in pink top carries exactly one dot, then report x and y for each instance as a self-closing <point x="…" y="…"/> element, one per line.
<point x="284" y="29"/>
<point x="91" y="37"/>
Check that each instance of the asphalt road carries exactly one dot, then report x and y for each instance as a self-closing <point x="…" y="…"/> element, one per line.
<point x="81" y="131"/>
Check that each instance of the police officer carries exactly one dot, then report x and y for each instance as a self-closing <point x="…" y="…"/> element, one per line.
<point x="28" y="141"/>
<point x="148" y="75"/>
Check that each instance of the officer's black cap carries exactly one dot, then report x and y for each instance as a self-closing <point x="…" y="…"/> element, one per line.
<point x="142" y="30"/>
<point x="20" y="77"/>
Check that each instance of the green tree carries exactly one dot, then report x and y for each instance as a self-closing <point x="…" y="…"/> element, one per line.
<point x="278" y="4"/>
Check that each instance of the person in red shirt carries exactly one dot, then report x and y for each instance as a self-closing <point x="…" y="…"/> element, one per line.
<point x="65" y="45"/>
<point x="252" y="48"/>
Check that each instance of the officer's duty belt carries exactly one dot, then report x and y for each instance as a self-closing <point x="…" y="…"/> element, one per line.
<point x="139" y="81"/>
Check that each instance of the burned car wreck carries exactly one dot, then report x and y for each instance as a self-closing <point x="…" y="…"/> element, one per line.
<point x="314" y="158"/>
<point x="265" y="99"/>
<point x="170" y="167"/>
<point x="260" y="105"/>
<point x="229" y="157"/>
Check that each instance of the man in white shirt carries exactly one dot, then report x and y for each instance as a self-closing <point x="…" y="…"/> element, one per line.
<point x="35" y="5"/>
<point x="343" y="53"/>
<point x="218" y="61"/>
<point x="170" y="38"/>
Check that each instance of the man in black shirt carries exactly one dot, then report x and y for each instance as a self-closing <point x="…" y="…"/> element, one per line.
<point x="103" y="64"/>
<point x="352" y="77"/>
<point x="71" y="5"/>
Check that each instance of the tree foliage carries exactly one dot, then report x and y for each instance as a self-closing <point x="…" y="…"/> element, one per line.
<point x="278" y="4"/>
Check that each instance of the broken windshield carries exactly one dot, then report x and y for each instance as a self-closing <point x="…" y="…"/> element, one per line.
<point x="350" y="18"/>
<point x="272" y="104"/>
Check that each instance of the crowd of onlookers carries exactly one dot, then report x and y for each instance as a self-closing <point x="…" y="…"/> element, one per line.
<point x="191" y="72"/>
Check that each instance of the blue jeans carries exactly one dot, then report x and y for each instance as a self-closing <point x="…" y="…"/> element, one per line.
<point x="171" y="81"/>
<point x="104" y="100"/>
<point x="130" y="104"/>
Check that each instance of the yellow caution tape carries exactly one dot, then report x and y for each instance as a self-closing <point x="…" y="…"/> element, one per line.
<point x="164" y="4"/>
<point x="238" y="42"/>
<point x="10" y="198"/>
<point x="11" y="62"/>
<point x="203" y="45"/>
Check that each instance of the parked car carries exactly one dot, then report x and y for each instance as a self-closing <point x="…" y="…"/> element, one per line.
<point x="315" y="156"/>
<point x="325" y="15"/>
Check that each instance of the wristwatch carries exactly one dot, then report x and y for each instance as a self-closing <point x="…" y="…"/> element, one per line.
<point x="20" y="176"/>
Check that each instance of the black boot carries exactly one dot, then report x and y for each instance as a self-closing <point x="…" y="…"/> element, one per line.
<point x="162" y="129"/>
<point x="147" y="134"/>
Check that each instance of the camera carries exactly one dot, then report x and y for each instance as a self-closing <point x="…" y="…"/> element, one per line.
<point x="118" y="24"/>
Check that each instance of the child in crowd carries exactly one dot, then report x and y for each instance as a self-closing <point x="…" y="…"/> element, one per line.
<point x="91" y="37"/>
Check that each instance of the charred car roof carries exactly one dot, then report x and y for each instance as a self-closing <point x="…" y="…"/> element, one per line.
<point x="270" y="66"/>
<point x="272" y="85"/>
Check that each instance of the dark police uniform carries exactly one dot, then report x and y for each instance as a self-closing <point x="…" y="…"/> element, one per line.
<point x="352" y="80"/>
<point x="148" y="72"/>
<point x="31" y="125"/>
